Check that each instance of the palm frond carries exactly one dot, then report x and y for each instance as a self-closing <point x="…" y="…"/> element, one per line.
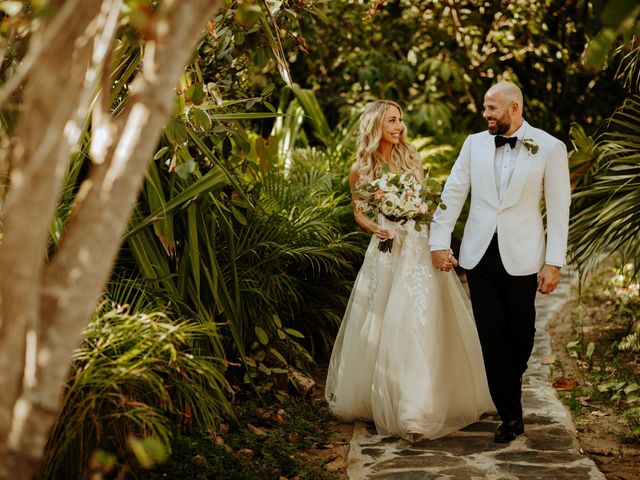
<point x="604" y="211"/>
<point x="135" y="374"/>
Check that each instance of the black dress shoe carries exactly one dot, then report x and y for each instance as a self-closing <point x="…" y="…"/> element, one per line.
<point x="507" y="431"/>
<point x="518" y="426"/>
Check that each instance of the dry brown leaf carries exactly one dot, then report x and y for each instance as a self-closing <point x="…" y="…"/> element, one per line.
<point x="335" y="465"/>
<point x="293" y="437"/>
<point x="260" y="431"/>
<point x="300" y="380"/>
<point x="218" y="441"/>
<point x="565" y="384"/>
<point x="247" y="451"/>
<point x="280" y="417"/>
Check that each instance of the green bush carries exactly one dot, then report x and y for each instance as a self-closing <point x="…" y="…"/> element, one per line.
<point x="135" y="375"/>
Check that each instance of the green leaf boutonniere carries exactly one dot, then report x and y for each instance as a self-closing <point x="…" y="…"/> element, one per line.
<point x="530" y="145"/>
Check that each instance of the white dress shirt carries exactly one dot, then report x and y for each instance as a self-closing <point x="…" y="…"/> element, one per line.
<point x="505" y="161"/>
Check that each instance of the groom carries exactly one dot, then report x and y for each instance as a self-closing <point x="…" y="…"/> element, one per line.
<point x="509" y="169"/>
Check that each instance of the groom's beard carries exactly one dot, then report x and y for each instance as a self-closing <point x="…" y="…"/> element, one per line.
<point x="502" y="126"/>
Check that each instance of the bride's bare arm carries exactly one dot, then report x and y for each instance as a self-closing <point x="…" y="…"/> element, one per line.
<point x="361" y="218"/>
<point x="420" y="172"/>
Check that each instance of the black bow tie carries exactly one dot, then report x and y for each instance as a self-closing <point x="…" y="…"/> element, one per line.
<point x="500" y="141"/>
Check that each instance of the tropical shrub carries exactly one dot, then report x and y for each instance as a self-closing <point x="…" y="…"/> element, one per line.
<point x="137" y="374"/>
<point x="607" y="197"/>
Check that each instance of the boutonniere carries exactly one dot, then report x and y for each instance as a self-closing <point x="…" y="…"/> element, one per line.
<point x="530" y="145"/>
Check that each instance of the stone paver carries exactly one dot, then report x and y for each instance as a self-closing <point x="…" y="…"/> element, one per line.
<point x="547" y="451"/>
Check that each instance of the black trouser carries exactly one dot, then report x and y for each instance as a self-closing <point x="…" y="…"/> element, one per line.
<point x="505" y="315"/>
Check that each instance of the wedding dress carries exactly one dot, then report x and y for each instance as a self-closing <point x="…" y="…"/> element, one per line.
<point x="407" y="355"/>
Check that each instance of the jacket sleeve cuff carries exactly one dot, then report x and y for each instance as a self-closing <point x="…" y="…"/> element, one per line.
<point x="555" y="263"/>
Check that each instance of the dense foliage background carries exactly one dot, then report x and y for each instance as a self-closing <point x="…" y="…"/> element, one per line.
<point x="242" y="248"/>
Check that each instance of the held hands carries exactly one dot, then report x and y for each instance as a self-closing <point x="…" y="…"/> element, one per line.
<point x="548" y="279"/>
<point x="443" y="260"/>
<point x="381" y="233"/>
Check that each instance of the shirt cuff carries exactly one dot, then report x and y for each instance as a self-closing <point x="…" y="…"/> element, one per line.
<point x="437" y="247"/>
<point x="555" y="264"/>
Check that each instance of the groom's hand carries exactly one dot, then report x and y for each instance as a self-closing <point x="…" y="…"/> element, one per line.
<point x="443" y="260"/>
<point x="548" y="279"/>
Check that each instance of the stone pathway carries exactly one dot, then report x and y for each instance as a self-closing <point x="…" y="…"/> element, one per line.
<point x="547" y="451"/>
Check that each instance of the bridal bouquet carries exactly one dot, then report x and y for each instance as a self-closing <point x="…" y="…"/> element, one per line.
<point x="399" y="197"/>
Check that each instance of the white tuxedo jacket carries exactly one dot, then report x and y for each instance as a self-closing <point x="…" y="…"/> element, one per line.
<point x="518" y="218"/>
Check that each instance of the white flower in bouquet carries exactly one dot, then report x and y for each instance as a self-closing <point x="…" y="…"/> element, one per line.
<point x="400" y="198"/>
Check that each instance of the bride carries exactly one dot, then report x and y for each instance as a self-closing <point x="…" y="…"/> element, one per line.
<point x="407" y="355"/>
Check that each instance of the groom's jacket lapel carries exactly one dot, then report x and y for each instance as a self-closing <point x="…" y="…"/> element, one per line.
<point x="488" y="171"/>
<point x="520" y="173"/>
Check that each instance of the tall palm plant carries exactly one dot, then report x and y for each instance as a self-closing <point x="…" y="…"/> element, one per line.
<point x="606" y="202"/>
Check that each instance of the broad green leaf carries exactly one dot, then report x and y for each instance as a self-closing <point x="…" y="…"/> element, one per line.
<point x="267" y="90"/>
<point x="194" y="252"/>
<point x="148" y="451"/>
<point x="199" y="120"/>
<point x="278" y="355"/>
<point x="314" y="112"/>
<point x="599" y="48"/>
<point x="195" y="93"/>
<point x="238" y="216"/>
<point x="263" y="338"/>
<point x="176" y="131"/>
<point x="160" y="153"/>
<point x="294" y="333"/>
<point x="185" y="169"/>
<point x="154" y="192"/>
<point x="590" y="349"/>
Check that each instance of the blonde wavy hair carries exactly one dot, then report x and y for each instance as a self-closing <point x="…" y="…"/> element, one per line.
<point x="369" y="160"/>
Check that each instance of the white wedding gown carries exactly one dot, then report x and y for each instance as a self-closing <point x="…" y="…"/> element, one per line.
<point x="407" y="355"/>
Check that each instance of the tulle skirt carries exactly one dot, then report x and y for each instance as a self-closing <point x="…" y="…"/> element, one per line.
<point x="407" y="355"/>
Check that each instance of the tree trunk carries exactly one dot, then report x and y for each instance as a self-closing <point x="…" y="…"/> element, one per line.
<point x="46" y="306"/>
<point x="39" y="153"/>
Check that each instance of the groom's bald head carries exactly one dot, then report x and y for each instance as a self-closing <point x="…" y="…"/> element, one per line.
<point x="508" y="92"/>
